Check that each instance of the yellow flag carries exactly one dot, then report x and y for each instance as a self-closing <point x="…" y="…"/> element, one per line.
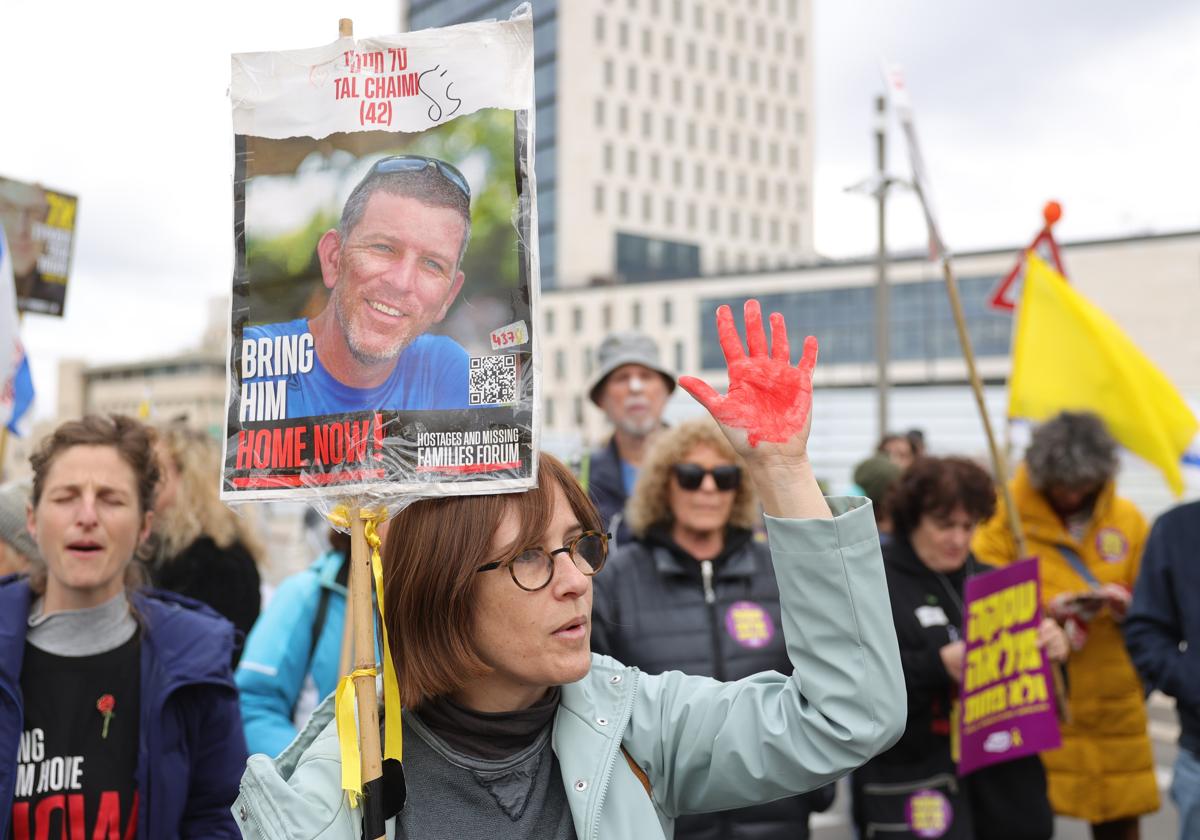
<point x="1069" y="356"/>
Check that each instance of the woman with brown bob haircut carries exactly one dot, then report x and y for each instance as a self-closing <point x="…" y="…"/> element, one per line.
<point x="514" y="729"/>
<point x="936" y="505"/>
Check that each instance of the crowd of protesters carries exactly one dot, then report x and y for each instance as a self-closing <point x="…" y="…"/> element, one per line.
<point x="747" y="644"/>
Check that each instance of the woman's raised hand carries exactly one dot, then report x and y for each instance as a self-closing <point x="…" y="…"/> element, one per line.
<point x="767" y="411"/>
<point x="768" y="399"/>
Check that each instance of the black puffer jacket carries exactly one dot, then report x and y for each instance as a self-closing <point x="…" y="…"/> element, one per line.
<point x="654" y="606"/>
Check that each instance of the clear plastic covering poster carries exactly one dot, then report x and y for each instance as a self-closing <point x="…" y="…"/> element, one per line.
<point x="40" y="227"/>
<point x="382" y="333"/>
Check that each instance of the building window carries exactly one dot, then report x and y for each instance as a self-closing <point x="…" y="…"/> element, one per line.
<point x="598" y="198"/>
<point x="739" y="28"/>
<point x="793" y="82"/>
<point x="760" y="111"/>
<point x="774" y="231"/>
<point x="714" y="220"/>
<point x="608" y="157"/>
<point x="667" y="312"/>
<point x="698" y="95"/>
<point x="691" y="135"/>
<point x="578" y="401"/>
<point x="623" y="34"/>
<point x="753" y="149"/>
<point x="577" y="319"/>
<point x="713" y="61"/>
<point x="609" y="72"/>
<point x="755" y="228"/>
<point x="698" y="17"/>
<point x="635" y="314"/>
<point x="799" y="121"/>
<point x="677" y="88"/>
<point x="753" y="69"/>
<point x="623" y="118"/>
<point x="691" y="215"/>
<point x="600" y="29"/>
<point x="677" y="10"/>
<point x="606" y="316"/>
<point x="549" y="322"/>
<point x="669" y="47"/>
<point x="679" y="361"/>
<point x="762" y="190"/>
<point x="631" y="162"/>
<point x="647" y="43"/>
<point x="733" y="66"/>
<point x="720" y="102"/>
<point x="654" y="83"/>
<point x="549" y="411"/>
<point x="622" y="203"/>
<point x="773" y="153"/>
<point x="691" y="55"/>
<point x="798" y="47"/>
<point x="647" y="124"/>
<point x="560" y="365"/>
<point x="793" y="157"/>
<point x="587" y="361"/>
<point x="699" y="169"/>
<point x="734" y="224"/>
<point x="669" y="211"/>
<point x="714" y="142"/>
<point x="654" y="166"/>
<point x="669" y="128"/>
<point x="647" y="207"/>
<point x="599" y="113"/>
<point x="735" y="145"/>
<point x="631" y="78"/>
<point x="720" y="181"/>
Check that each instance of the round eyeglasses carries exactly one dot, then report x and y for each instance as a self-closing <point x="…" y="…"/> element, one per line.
<point x="533" y="568"/>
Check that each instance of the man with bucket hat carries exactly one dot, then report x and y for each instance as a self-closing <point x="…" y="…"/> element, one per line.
<point x="631" y="387"/>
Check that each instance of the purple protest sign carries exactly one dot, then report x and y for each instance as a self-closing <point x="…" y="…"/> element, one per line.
<point x="1008" y="689"/>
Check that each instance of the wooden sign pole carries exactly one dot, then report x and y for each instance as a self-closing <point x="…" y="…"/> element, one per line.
<point x="999" y="466"/>
<point x="363" y="616"/>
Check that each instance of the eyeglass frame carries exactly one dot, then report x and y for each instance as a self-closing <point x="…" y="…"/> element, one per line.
<point x="568" y="549"/>
<point x="447" y="170"/>
<point x="704" y="473"/>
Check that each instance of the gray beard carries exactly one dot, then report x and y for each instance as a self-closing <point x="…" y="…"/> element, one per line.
<point x="639" y="430"/>
<point x="360" y="355"/>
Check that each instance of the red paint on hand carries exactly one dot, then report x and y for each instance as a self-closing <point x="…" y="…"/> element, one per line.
<point x="767" y="397"/>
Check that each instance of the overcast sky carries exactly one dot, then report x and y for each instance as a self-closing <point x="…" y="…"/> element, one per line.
<point x="124" y="104"/>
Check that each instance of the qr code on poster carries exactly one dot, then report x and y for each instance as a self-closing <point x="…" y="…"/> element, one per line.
<point x="493" y="380"/>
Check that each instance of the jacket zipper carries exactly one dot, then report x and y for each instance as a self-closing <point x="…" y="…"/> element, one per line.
<point x="612" y="761"/>
<point x="714" y="632"/>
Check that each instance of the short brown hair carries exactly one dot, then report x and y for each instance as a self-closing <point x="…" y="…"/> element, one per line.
<point x="133" y="441"/>
<point x="938" y="487"/>
<point x="432" y="551"/>
<point x="134" y="444"/>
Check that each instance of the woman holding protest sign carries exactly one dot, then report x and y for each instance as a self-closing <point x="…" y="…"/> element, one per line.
<point x="513" y="728"/>
<point x="913" y="789"/>
<point x="118" y="712"/>
<point x="694" y="591"/>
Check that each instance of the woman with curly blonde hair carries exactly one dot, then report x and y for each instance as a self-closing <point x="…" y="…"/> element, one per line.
<point x="696" y="592"/>
<point x="200" y="548"/>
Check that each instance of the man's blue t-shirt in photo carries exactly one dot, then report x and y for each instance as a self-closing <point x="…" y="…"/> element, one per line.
<point x="431" y="373"/>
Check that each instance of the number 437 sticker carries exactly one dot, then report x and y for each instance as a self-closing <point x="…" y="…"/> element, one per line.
<point x="511" y="335"/>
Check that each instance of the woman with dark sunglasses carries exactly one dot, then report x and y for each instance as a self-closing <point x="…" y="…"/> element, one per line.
<point x="514" y="729"/>
<point x="695" y="592"/>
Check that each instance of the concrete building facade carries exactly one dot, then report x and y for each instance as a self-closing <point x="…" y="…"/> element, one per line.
<point x="1149" y="284"/>
<point x="673" y="136"/>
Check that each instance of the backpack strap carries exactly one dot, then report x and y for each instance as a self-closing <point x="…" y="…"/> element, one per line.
<point x="318" y="625"/>
<point x="637" y="771"/>
<point x="1073" y="558"/>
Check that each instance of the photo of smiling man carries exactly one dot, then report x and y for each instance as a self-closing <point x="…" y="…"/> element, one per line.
<point x="393" y="270"/>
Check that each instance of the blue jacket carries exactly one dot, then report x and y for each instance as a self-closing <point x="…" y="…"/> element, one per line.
<point x="275" y="661"/>
<point x="1166" y="611"/>
<point x="191" y="749"/>
<point x="601" y="477"/>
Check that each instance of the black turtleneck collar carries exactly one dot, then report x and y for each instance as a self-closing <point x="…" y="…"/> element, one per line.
<point x="490" y="735"/>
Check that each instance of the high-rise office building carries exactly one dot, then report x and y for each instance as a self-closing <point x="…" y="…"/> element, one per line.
<point x="672" y="135"/>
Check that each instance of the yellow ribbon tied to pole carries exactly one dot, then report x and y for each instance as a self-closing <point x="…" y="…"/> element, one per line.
<point x="345" y="700"/>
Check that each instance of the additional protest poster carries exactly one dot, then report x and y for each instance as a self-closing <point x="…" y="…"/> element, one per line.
<point x="1008" y="689"/>
<point x="385" y="288"/>
<point x="40" y="226"/>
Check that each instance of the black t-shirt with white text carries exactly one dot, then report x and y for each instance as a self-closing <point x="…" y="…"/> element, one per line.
<point x="77" y="758"/>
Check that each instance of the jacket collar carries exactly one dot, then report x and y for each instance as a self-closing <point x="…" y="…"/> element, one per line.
<point x="672" y="560"/>
<point x="1039" y="520"/>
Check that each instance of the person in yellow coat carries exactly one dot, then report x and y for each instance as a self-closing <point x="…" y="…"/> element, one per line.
<point x="1089" y="542"/>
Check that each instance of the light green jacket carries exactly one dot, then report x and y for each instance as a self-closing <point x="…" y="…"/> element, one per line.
<point x="703" y="744"/>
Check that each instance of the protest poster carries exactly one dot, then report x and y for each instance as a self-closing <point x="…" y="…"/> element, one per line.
<point x="40" y="227"/>
<point x="386" y="275"/>
<point x="1007" y="708"/>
